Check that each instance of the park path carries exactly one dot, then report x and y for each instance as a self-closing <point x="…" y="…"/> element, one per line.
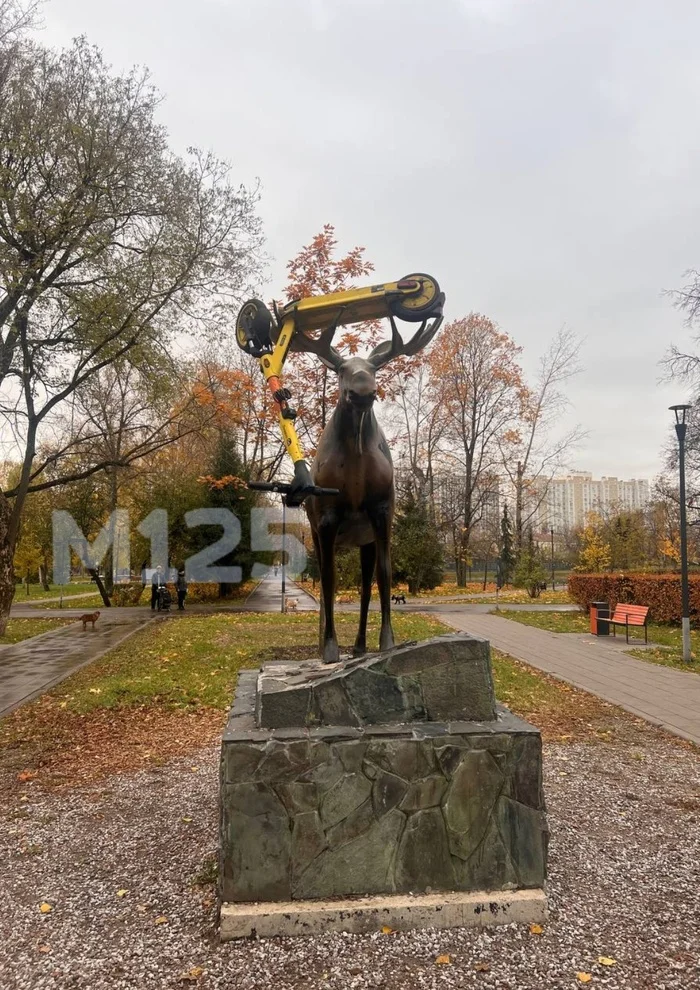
<point x="267" y="597"/>
<point x="32" y="666"/>
<point x="664" y="696"/>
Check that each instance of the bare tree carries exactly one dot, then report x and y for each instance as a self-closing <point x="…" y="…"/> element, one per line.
<point x="533" y="452"/>
<point x="478" y="386"/>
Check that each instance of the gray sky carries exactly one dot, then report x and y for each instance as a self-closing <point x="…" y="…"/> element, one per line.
<point x="539" y="157"/>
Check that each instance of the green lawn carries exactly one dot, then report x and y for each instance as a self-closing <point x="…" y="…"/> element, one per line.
<point x="194" y="662"/>
<point x="19" y="629"/>
<point x="165" y="691"/>
<point x="667" y="650"/>
<point x="84" y="604"/>
<point x="36" y="591"/>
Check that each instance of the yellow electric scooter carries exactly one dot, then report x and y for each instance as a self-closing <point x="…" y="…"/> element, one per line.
<point x="269" y="339"/>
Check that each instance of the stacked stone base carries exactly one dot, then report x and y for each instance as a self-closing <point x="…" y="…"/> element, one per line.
<point x="330" y="812"/>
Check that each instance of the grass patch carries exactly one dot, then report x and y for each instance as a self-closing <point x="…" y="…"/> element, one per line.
<point x="55" y="591"/>
<point x="87" y="604"/>
<point x="21" y="629"/>
<point x="195" y="662"/>
<point x="560" y="622"/>
<point x="667" y="641"/>
<point x="165" y="691"/>
<point x="563" y="713"/>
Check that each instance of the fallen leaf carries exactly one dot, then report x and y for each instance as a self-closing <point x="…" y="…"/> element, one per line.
<point x="536" y="929"/>
<point x="607" y="961"/>
<point x="44" y="948"/>
<point x="188" y="820"/>
<point x="444" y="960"/>
<point x="194" y="769"/>
<point x="45" y="908"/>
<point x="95" y="690"/>
<point x="386" y="930"/>
<point x="122" y="892"/>
<point x="192" y="975"/>
<point x="27" y="775"/>
<point x="482" y="967"/>
<point x="161" y="920"/>
<point x="584" y="977"/>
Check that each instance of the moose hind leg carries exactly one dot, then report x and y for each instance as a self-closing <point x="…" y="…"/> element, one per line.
<point x="326" y="540"/>
<point x="368" y="558"/>
<point x="382" y="528"/>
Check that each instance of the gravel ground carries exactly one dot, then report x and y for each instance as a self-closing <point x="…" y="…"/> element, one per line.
<point x="126" y="868"/>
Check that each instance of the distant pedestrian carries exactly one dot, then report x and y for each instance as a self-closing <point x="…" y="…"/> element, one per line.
<point x="181" y="588"/>
<point x="156" y="582"/>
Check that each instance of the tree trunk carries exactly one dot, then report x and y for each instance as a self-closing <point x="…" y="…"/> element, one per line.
<point x="7" y="570"/>
<point x="43" y="577"/>
<point x="519" y="484"/>
<point x="486" y="572"/>
<point x="92" y="571"/>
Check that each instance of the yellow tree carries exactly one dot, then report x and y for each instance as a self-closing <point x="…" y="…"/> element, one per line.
<point x="595" y="554"/>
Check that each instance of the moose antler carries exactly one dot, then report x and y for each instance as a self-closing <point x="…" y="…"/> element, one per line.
<point x="390" y="349"/>
<point x="320" y="346"/>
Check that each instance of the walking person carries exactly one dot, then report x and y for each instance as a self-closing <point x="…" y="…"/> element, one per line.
<point x="181" y="588"/>
<point x="156" y="582"/>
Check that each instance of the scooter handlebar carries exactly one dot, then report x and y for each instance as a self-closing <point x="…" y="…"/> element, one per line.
<point x="275" y="486"/>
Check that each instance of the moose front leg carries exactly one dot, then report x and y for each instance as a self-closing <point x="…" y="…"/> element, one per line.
<point x="368" y="557"/>
<point x="326" y="549"/>
<point x="381" y="523"/>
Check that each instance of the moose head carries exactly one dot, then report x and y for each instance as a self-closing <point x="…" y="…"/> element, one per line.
<point x="353" y="457"/>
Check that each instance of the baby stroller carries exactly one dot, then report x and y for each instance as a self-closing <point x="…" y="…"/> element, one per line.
<point x="165" y="599"/>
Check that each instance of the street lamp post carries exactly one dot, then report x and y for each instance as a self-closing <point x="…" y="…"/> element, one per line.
<point x="681" y="428"/>
<point x="284" y="551"/>
<point x="551" y="533"/>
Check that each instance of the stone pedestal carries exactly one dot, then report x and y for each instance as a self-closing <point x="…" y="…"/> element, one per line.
<point x="401" y="776"/>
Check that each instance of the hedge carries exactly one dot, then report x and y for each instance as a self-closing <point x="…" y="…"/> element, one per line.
<point x="661" y="592"/>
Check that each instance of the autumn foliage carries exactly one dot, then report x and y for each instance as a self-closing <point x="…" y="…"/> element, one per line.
<point x="660" y="592"/>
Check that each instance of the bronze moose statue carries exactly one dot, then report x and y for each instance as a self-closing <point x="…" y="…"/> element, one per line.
<point x="349" y="492"/>
<point x="353" y="456"/>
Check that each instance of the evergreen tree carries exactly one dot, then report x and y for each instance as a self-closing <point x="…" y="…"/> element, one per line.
<point x="416" y="547"/>
<point x="227" y="490"/>
<point x="530" y="572"/>
<point x="507" y="554"/>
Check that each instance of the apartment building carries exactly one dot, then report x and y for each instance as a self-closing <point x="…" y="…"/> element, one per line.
<point x="569" y="500"/>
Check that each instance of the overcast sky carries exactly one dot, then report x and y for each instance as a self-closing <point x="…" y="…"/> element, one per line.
<point x="539" y="157"/>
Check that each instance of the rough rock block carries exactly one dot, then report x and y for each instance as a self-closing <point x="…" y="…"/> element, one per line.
<point x="443" y="679"/>
<point x="332" y="812"/>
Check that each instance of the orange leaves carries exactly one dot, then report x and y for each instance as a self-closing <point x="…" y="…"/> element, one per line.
<point x="584" y="977"/>
<point x="536" y="929"/>
<point x="227" y="480"/>
<point x="443" y="960"/>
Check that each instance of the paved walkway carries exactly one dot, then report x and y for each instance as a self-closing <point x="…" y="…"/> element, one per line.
<point x="664" y="696"/>
<point x="31" y="667"/>
<point x="267" y="597"/>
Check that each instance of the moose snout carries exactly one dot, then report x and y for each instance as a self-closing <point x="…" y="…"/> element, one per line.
<point x="362" y="398"/>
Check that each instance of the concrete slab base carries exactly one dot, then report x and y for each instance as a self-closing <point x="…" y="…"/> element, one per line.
<point x="399" y="912"/>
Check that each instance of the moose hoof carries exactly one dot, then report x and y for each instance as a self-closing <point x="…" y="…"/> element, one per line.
<point x="331" y="653"/>
<point x="386" y="640"/>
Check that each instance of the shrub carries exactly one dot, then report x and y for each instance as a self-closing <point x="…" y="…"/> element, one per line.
<point x="660" y="592"/>
<point x="127" y="594"/>
<point x="201" y="591"/>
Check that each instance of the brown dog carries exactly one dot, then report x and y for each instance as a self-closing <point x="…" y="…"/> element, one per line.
<point x="89" y="617"/>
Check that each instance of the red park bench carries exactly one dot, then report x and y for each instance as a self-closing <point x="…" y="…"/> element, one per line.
<point x="630" y="615"/>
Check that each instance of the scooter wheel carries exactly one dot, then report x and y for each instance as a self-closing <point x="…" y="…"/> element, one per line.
<point x="417" y="307"/>
<point x="253" y="326"/>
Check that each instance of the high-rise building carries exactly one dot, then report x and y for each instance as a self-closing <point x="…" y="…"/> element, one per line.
<point x="568" y="501"/>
